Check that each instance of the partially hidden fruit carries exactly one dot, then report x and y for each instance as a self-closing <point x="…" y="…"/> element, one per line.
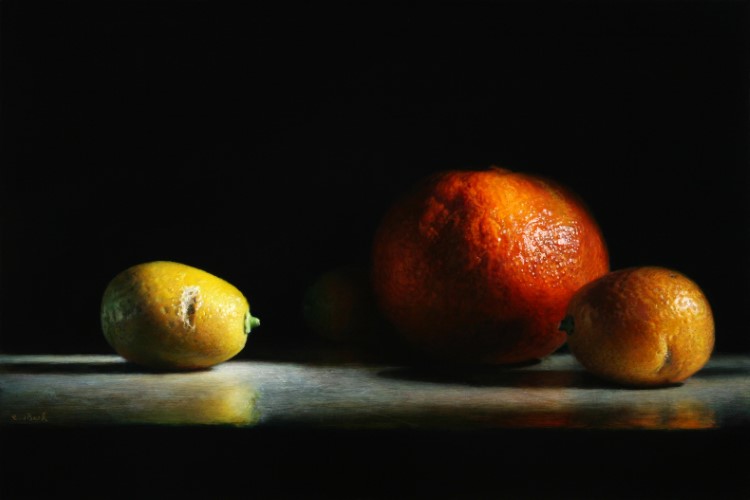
<point x="641" y="326"/>
<point x="478" y="266"/>
<point x="339" y="305"/>
<point x="167" y="315"/>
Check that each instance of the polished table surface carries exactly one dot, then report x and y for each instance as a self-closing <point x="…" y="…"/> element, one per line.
<point x="342" y="392"/>
<point x="331" y="424"/>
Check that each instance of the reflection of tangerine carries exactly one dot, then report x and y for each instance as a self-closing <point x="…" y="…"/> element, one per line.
<point x="641" y="326"/>
<point x="686" y="415"/>
<point x="478" y="266"/>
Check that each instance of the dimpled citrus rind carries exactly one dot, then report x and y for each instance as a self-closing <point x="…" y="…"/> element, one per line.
<point x="641" y="326"/>
<point x="478" y="266"/>
<point x="167" y="315"/>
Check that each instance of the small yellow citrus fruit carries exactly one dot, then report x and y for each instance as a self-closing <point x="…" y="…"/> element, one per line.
<point x="641" y="326"/>
<point x="171" y="316"/>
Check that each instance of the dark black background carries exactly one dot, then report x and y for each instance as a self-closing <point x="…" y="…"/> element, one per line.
<point x="263" y="143"/>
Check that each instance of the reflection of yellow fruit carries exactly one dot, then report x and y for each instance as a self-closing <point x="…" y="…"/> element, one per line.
<point x="643" y="326"/>
<point x="167" y="315"/>
<point x="203" y="398"/>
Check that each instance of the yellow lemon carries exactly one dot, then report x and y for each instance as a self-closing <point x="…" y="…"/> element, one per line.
<point x="172" y="316"/>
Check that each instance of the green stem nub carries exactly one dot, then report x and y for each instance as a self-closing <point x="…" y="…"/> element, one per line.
<point x="567" y="325"/>
<point x="250" y="322"/>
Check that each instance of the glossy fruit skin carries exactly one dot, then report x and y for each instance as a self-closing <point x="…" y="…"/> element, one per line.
<point x="477" y="266"/>
<point x="641" y="326"/>
<point x="171" y="316"/>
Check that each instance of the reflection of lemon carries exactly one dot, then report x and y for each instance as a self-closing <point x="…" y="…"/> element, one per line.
<point x="168" y="315"/>
<point x="214" y="400"/>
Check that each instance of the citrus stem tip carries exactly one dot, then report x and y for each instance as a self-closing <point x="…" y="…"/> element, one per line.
<point x="250" y="322"/>
<point x="567" y="325"/>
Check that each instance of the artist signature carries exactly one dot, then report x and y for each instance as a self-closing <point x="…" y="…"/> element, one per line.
<point x="29" y="418"/>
